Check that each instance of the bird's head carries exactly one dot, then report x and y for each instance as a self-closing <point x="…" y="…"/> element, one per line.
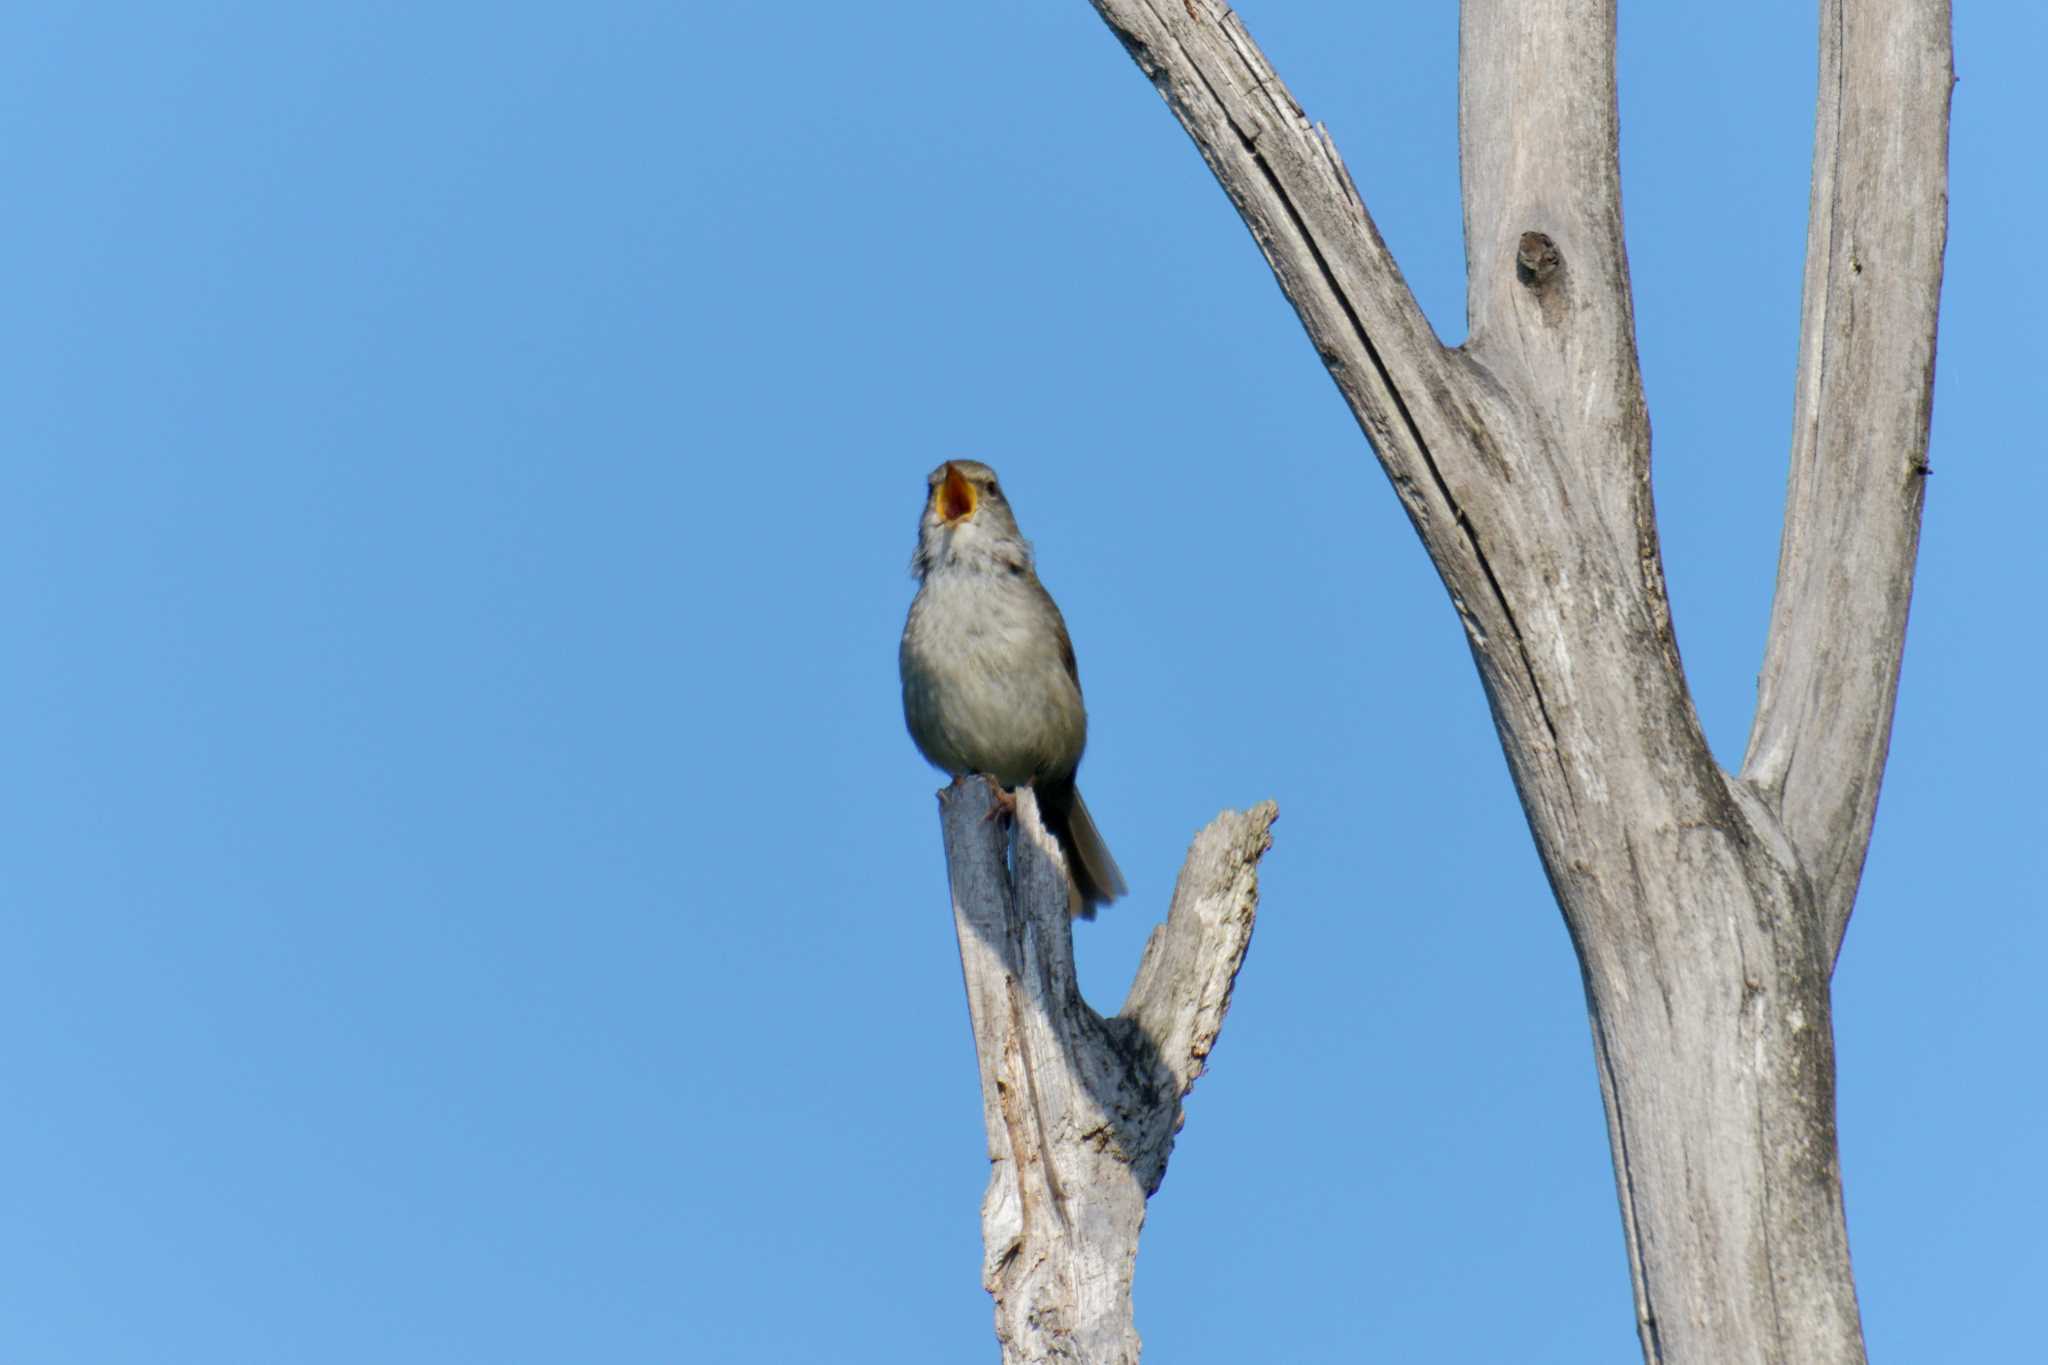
<point x="967" y="522"/>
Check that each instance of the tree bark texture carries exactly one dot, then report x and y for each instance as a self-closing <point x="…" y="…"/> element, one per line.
<point x="1707" y="908"/>
<point x="1081" y="1110"/>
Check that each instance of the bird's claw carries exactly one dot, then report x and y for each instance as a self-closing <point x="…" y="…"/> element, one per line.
<point x="1005" y="803"/>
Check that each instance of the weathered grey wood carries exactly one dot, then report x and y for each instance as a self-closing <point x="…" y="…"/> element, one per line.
<point x="1875" y="236"/>
<point x="1706" y="910"/>
<point x="1081" y="1111"/>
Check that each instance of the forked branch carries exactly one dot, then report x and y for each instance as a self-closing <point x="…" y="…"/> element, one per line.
<point x="1081" y="1111"/>
<point x="1706" y="910"/>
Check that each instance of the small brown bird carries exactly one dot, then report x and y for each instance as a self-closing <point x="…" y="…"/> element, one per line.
<point x="989" y="683"/>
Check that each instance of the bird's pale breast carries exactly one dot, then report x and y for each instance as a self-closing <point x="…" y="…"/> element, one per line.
<point x="985" y="686"/>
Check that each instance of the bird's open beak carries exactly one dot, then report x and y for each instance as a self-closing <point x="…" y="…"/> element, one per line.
<point x="954" y="497"/>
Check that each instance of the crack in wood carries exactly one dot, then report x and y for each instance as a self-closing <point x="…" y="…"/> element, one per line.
<point x="1333" y="289"/>
<point x="1082" y="1112"/>
<point x="1719" y="1273"/>
<point x="1625" y="1180"/>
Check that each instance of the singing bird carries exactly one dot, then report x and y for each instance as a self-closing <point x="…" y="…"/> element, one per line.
<point x="989" y="683"/>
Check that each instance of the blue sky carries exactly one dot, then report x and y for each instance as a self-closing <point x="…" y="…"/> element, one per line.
<point x="465" y="891"/>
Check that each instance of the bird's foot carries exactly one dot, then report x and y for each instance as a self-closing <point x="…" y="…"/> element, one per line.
<point x="1005" y="804"/>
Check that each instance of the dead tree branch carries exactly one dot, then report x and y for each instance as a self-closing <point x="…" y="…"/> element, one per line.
<point x="1081" y="1110"/>
<point x="1706" y="910"/>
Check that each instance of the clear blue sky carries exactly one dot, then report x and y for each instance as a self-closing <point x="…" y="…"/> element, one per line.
<point x="465" y="891"/>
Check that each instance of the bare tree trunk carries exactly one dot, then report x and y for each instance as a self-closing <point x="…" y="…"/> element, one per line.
<point x="1706" y="908"/>
<point x="1082" y="1110"/>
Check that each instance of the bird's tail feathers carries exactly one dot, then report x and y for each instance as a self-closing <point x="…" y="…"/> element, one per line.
<point x="1097" y="880"/>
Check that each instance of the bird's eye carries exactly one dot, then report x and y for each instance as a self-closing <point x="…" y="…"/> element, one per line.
<point x="993" y="491"/>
